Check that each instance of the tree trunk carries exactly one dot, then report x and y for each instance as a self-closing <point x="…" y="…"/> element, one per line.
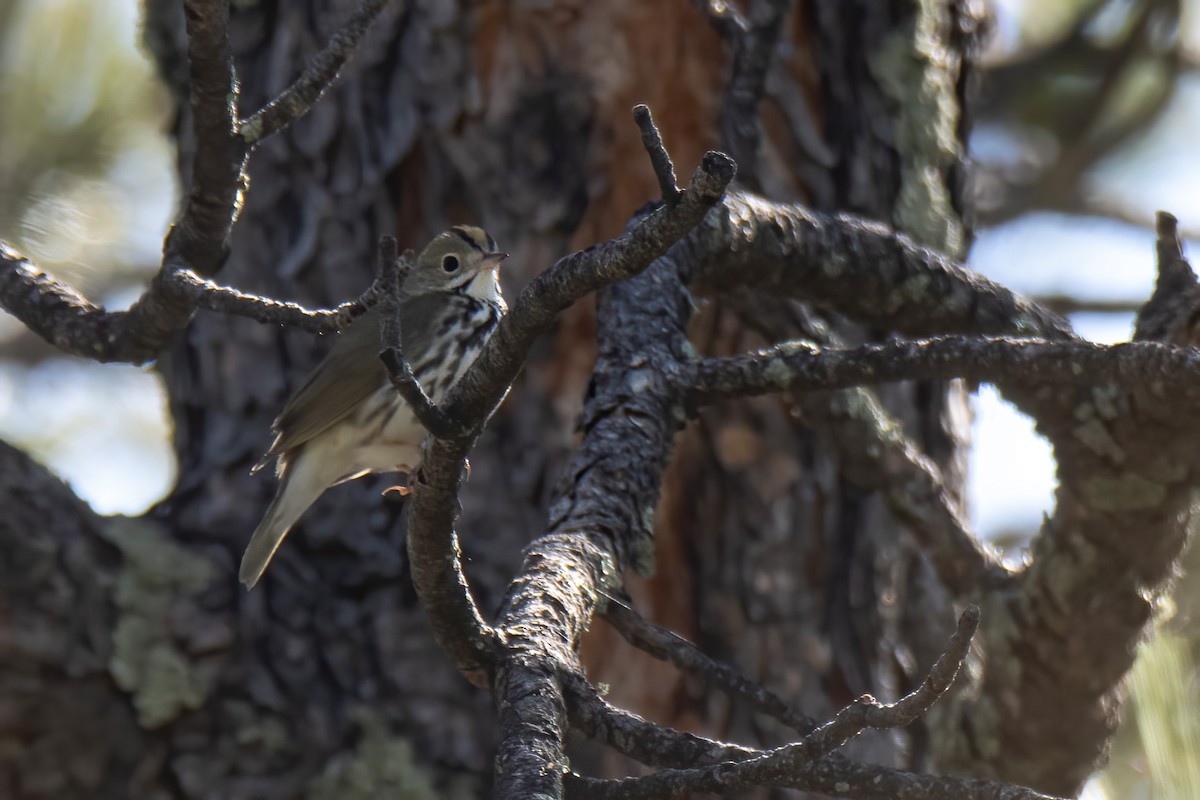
<point x="163" y="679"/>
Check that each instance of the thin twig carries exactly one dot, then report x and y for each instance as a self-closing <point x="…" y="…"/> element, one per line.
<point x="664" y="170"/>
<point x="391" y="279"/>
<point x="226" y="300"/>
<point x="807" y="764"/>
<point x="666" y="645"/>
<point x="319" y="74"/>
<point x="877" y="454"/>
<point x="647" y="742"/>
<point x="724" y="17"/>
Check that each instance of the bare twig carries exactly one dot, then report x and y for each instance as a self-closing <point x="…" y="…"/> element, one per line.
<point x="319" y="74"/>
<point x="666" y="645"/>
<point x="1170" y="313"/>
<point x="226" y="300"/>
<point x="724" y="17"/>
<point x="391" y="277"/>
<point x="806" y="764"/>
<point x="877" y="454"/>
<point x="866" y="712"/>
<point x="198" y="243"/>
<point x="647" y="742"/>
<point x="664" y="170"/>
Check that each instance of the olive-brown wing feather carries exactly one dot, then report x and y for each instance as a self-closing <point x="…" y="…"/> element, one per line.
<point x="347" y="376"/>
<point x="350" y="373"/>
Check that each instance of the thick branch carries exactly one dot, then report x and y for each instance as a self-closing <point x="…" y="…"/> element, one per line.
<point x="200" y="237"/>
<point x="861" y="269"/>
<point x="589" y="541"/>
<point x="432" y="546"/>
<point x="545" y="614"/>
<point x="1159" y="370"/>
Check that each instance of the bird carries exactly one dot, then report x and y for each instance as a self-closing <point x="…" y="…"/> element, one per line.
<point x="347" y="420"/>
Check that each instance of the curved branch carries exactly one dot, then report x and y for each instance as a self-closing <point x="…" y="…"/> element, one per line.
<point x="432" y="545"/>
<point x="862" y="269"/>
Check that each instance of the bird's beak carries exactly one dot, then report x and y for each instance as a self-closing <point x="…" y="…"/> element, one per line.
<point x="492" y="260"/>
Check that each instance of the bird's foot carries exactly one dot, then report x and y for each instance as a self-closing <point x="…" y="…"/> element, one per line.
<point x="403" y="489"/>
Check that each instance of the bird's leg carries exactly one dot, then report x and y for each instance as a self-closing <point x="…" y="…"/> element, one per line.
<point x="410" y="480"/>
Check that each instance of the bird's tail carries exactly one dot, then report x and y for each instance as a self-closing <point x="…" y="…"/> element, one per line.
<point x="297" y="491"/>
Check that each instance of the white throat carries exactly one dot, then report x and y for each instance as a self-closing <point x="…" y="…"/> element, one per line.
<point x="486" y="286"/>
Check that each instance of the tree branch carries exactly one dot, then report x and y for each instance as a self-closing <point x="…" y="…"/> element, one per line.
<point x="804" y="765"/>
<point x="860" y="268"/>
<point x="200" y="236"/>
<point x="666" y="645"/>
<point x="226" y="300"/>
<point x="664" y="170"/>
<point x="1145" y="367"/>
<point x="319" y="74"/>
<point x="753" y="52"/>
<point x="391" y="278"/>
<point x="432" y="545"/>
<point x="197" y="245"/>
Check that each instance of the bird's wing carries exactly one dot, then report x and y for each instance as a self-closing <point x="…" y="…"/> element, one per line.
<point x="347" y="376"/>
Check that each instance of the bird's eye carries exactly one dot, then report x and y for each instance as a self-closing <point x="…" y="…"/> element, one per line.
<point x="450" y="263"/>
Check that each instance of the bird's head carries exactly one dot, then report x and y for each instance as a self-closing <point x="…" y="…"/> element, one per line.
<point x="462" y="259"/>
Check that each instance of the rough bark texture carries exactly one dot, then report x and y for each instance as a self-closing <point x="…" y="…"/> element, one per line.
<point x="772" y="549"/>
<point x="515" y="117"/>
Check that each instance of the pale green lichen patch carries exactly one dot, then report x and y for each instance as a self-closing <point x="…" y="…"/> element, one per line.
<point x="1167" y="470"/>
<point x="1107" y="398"/>
<point x="1095" y="436"/>
<point x="778" y="373"/>
<point x="915" y="69"/>
<point x="1126" y="491"/>
<point x="382" y="765"/>
<point x="146" y="659"/>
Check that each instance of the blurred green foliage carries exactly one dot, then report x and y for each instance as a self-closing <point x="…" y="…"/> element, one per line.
<point x="81" y="129"/>
<point x="87" y="186"/>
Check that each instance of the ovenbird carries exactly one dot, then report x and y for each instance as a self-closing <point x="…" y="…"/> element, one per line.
<point x="347" y="420"/>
